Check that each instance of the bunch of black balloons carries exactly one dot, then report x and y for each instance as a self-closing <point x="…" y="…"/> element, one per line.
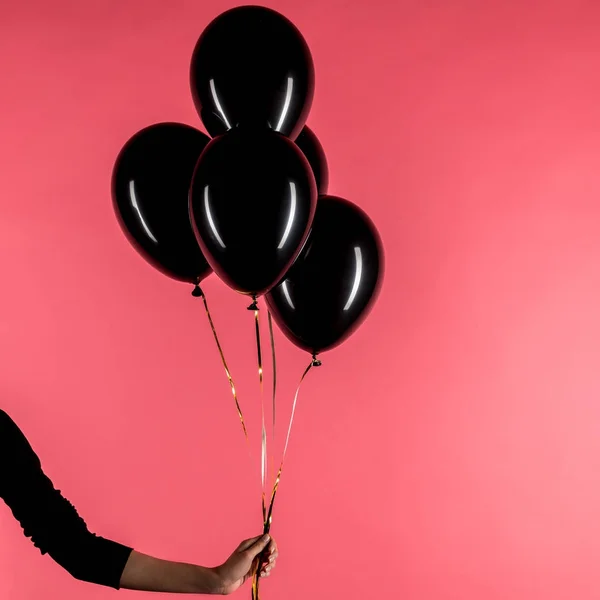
<point x="251" y="203"/>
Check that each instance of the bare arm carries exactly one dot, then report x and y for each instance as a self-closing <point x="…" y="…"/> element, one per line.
<point x="151" y="574"/>
<point x="146" y="573"/>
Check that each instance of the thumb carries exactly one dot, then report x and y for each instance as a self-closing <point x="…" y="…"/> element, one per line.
<point x="258" y="546"/>
<point x="247" y="544"/>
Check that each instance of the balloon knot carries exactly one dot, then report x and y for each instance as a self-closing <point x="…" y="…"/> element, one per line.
<point x="254" y="305"/>
<point x="197" y="292"/>
<point x="315" y="361"/>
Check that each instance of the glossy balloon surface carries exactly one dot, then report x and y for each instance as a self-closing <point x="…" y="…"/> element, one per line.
<point x="150" y="187"/>
<point x="252" y="203"/>
<point x="308" y="142"/>
<point x="251" y="65"/>
<point x="334" y="282"/>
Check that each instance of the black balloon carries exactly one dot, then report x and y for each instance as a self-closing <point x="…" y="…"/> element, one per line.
<point x="150" y="188"/>
<point x="251" y="65"/>
<point x="252" y="202"/>
<point x="308" y="142"/>
<point x="334" y="282"/>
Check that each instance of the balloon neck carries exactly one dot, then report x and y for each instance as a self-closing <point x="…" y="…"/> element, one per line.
<point x="197" y="292"/>
<point x="315" y="361"/>
<point x="254" y="305"/>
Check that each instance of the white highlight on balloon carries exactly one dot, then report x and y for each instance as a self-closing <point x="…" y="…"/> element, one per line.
<point x="139" y="212"/>
<point x="286" y="293"/>
<point x="357" y="277"/>
<point x="210" y="219"/>
<point x="213" y="91"/>
<point x="291" y="216"/>
<point x="286" y="103"/>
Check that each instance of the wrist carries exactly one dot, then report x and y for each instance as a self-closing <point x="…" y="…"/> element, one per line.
<point x="209" y="581"/>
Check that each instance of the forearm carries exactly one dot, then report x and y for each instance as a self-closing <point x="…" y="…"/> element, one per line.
<point x="150" y="574"/>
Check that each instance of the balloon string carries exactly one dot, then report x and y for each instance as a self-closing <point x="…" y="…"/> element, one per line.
<point x="274" y="360"/>
<point x="254" y="307"/>
<point x="314" y="363"/>
<point x="274" y="399"/>
<point x="198" y="293"/>
<point x="269" y="518"/>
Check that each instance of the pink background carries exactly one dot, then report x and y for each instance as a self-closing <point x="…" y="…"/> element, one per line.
<point x="451" y="448"/>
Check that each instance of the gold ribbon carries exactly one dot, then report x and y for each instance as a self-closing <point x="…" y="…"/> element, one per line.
<point x="264" y="465"/>
<point x="274" y="360"/>
<point x="198" y="293"/>
<point x="269" y="513"/>
<point x="263" y="455"/>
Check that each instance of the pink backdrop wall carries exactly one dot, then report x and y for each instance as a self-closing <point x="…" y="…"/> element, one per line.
<point x="451" y="449"/>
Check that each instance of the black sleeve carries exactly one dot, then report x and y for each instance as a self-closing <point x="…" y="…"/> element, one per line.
<point x="50" y="520"/>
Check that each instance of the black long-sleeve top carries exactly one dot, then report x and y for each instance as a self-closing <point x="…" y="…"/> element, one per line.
<point x="49" y="519"/>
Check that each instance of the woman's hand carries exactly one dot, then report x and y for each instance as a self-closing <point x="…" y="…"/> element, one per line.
<point x="241" y="565"/>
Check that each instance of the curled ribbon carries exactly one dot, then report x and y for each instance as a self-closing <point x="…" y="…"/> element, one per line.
<point x="264" y="463"/>
<point x="266" y="511"/>
<point x="198" y="293"/>
<point x="274" y="360"/>
<point x="269" y="512"/>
